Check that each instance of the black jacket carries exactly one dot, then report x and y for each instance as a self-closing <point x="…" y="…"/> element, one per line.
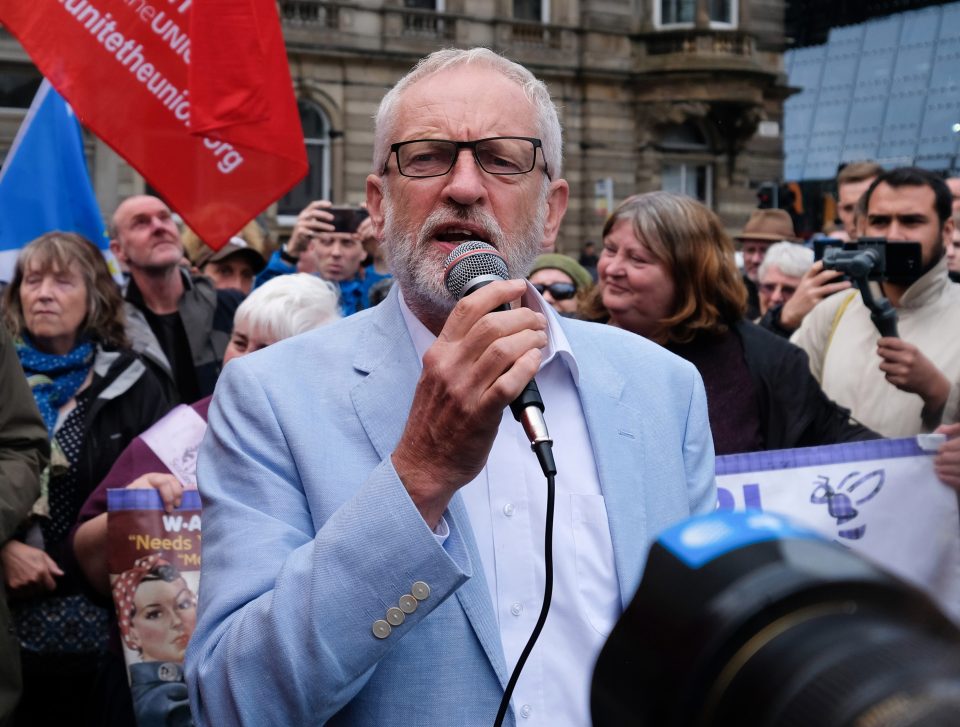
<point x="794" y="411"/>
<point x="126" y="398"/>
<point x="207" y="317"/>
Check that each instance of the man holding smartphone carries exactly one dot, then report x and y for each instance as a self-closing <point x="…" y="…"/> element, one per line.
<point x="324" y="242"/>
<point x="896" y="386"/>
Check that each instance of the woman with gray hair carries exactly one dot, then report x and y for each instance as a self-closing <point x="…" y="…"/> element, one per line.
<point x="280" y="308"/>
<point x="66" y="316"/>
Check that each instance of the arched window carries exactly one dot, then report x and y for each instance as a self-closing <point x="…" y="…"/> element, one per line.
<point x="316" y="185"/>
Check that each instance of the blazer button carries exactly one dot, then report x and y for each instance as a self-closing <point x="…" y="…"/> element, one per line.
<point x="381" y="629"/>
<point x="420" y="591"/>
<point x="408" y="604"/>
<point x="395" y="616"/>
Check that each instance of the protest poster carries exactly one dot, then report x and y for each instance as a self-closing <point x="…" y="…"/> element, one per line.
<point x="203" y="107"/>
<point x="881" y="498"/>
<point x="154" y="565"/>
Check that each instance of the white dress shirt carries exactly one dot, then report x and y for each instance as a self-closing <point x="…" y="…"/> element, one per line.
<point x="506" y="504"/>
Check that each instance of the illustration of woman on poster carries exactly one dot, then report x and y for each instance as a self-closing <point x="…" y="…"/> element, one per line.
<point x="157" y="613"/>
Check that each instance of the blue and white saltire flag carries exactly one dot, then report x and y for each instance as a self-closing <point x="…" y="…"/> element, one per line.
<point x="44" y="182"/>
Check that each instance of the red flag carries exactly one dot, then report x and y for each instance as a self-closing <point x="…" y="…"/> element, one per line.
<point x="196" y="96"/>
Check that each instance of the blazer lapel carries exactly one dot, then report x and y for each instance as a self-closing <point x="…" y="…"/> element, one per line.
<point x="382" y="401"/>
<point x="386" y="355"/>
<point x="617" y="441"/>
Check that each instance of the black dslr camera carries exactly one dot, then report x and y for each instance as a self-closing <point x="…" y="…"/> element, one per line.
<point x="873" y="258"/>
<point x="736" y="627"/>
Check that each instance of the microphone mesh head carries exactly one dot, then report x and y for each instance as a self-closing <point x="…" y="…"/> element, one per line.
<point x="469" y="260"/>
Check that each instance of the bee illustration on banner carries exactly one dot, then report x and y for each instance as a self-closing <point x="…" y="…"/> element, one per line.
<point x="844" y="500"/>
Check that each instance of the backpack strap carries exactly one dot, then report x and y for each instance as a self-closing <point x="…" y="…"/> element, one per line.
<point x="836" y="319"/>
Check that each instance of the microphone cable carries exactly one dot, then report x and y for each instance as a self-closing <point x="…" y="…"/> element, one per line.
<point x="547" y="596"/>
<point x="470" y="266"/>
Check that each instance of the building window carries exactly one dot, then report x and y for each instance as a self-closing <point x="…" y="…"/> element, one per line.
<point x="316" y="185"/>
<point x="683" y="13"/>
<point x="18" y="86"/>
<point x="693" y="180"/>
<point x="536" y="11"/>
<point x="687" y="166"/>
<point x="437" y="5"/>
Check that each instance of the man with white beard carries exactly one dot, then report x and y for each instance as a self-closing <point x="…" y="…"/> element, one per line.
<point x="373" y="517"/>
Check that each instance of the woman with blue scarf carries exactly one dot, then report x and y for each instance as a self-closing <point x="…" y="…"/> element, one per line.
<point x="66" y="315"/>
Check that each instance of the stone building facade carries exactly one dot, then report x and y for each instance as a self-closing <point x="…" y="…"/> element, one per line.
<point x="685" y="95"/>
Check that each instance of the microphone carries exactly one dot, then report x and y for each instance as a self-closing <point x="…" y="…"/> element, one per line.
<point x="469" y="267"/>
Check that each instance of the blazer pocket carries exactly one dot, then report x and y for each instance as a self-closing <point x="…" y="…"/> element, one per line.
<point x="599" y="591"/>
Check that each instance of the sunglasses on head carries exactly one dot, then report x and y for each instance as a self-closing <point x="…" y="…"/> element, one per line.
<point x="559" y="291"/>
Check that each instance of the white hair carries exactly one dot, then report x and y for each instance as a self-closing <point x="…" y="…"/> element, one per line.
<point x="792" y="259"/>
<point x="548" y="123"/>
<point x="289" y="304"/>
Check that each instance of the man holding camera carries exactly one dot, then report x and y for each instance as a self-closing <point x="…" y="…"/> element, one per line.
<point x="896" y="386"/>
<point x="324" y="242"/>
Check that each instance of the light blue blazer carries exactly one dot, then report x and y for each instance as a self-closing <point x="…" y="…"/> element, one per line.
<point x="309" y="536"/>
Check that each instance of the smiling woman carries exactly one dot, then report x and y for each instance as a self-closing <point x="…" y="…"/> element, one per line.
<point x="667" y="273"/>
<point x="66" y="316"/>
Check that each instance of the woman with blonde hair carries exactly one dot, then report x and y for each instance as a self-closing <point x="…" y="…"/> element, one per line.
<point x="667" y="272"/>
<point x="66" y="316"/>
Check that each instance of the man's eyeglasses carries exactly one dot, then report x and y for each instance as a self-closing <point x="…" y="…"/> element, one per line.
<point x="771" y="288"/>
<point x="559" y="291"/>
<point x="497" y="155"/>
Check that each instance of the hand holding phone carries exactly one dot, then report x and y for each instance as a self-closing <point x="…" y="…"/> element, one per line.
<point x="313" y="219"/>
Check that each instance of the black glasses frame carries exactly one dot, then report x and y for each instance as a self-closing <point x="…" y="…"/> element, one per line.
<point x="472" y="146"/>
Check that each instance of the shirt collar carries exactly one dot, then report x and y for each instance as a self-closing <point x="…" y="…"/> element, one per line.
<point x="132" y="291"/>
<point x="557" y="344"/>
<point x="928" y="287"/>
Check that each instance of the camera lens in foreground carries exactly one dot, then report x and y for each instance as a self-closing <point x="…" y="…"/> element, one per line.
<point x="744" y="619"/>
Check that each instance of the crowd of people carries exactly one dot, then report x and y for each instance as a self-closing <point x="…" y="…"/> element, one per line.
<point x="370" y="512"/>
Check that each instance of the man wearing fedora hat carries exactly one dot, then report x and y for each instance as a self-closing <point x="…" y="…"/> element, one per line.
<point x="764" y="228"/>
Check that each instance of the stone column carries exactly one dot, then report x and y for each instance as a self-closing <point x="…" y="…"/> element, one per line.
<point x="701" y="17"/>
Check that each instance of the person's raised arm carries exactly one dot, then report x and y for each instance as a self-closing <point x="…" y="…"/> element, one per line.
<point x="90" y="538"/>
<point x="815" y="285"/>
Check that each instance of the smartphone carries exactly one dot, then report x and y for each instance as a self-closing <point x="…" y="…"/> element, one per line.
<point x="895" y="260"/>
<point x="822" y="244"/>
<point x="347" y="218"/>
<point x="902" y="260"/>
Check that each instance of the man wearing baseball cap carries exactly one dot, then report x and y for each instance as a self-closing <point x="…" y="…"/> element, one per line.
<point x="764" y="228"/>
<point x="234" y="265"/>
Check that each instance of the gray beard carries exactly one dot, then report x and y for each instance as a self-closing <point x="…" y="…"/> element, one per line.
<point x="421" y="277"/>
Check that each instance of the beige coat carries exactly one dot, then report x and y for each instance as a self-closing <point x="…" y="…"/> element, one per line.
<point x="842" y="347"/>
